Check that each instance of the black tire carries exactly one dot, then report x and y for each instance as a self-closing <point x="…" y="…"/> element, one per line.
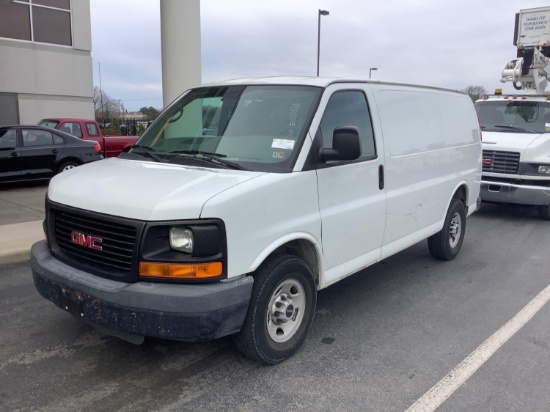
<point x="67" y="166"/>
<point x="446" y="244"/>
<point x="544" y="212"/>
<point x="283" y="282"/>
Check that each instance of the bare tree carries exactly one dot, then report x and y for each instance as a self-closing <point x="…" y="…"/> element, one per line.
<point x="105" y="106"/>
<point x="475" y="92"/>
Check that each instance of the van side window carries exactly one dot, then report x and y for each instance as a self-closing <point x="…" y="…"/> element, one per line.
<point x="349" y="108"/>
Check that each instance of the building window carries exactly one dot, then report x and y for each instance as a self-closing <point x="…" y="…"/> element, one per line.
<point x="41" y="21"/>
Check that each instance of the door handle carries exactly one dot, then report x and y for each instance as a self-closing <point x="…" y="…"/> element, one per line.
<point x="381" y="177"/>
<point x="54" y="151"/>
<point x="15" y="154"/>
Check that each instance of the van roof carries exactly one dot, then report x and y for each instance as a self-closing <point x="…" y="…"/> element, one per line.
<point x="520" y="97"/>
<point x="312" y="81"/>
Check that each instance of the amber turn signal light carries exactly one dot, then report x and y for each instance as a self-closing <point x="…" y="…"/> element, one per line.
<point x="180" y="271"/>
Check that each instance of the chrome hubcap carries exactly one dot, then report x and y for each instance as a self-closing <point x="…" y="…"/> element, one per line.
<point x="282" y="309"/>
<point x="285" y="311"/>
<point x="455" y="230"/>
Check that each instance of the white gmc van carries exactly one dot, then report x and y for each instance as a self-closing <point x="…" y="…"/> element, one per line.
<point x="246" y="197"/>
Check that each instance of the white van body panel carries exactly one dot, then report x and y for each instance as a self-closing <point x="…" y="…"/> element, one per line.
<point x="432" y="144"/>
<point x="142" y="190"/>
<point x="263" y="213"/>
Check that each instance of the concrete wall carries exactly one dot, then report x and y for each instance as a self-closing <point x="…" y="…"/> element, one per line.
<point x="33" y="108"/>
<point x="51" y="80"/>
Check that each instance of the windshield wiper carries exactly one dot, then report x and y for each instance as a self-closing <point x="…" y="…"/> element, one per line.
<point x="489" y="129"/>
<point x="519" y="129"/>
<point x="195" y="152"/>
<point x="216" y="158"/>
<point x="149" y="150"/>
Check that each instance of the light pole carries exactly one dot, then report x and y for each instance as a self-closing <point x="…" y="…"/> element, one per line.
<point x="371" y="70"/>
<point x="321" y="13"/>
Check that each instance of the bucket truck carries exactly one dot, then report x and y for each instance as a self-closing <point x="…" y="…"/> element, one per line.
<point x="516" y="128"/>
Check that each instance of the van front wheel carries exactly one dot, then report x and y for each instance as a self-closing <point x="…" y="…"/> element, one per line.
<point x="281" y="310"/>
<point x="446" y="244"/>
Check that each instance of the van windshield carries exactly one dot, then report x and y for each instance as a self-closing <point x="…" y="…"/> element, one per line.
<point x="242" y="127"/>
<point x="509" y="116"/>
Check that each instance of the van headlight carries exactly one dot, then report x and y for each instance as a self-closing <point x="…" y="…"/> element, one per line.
<point x="181" y="239"/>
<point x="544" y="169"/>
<point x="183" y="250"/>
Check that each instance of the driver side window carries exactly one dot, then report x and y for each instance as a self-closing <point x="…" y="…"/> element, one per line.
<point x="349" y="108"/>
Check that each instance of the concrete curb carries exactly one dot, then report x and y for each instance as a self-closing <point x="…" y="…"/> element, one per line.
<point x="16" y="241"/>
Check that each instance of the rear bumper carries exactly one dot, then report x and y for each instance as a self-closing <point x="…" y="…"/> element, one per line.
<point x="499" y="192"/>
<point x="188" y="312"/>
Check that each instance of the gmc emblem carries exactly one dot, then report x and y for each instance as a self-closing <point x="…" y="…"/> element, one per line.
<point x="88" y="241"/>
<point x="487" y="162"/>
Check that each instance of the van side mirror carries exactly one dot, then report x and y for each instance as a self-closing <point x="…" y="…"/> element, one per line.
<point x="345" y="145"/>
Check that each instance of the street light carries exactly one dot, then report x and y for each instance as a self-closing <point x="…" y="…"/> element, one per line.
<point x="372" y="69"/>
<point x="321" y="13"/>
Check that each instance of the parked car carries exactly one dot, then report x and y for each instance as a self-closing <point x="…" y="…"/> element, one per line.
<point x="35" y="152"/>
<point x="87" y="129"/>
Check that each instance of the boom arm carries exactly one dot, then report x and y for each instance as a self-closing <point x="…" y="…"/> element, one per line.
<point x="532" y="71"/>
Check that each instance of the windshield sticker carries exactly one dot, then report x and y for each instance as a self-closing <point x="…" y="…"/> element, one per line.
<point x="283" y="144"/>
<point x="278" y="155"/>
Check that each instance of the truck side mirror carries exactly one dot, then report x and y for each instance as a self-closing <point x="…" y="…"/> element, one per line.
<point x="345" y="145"/>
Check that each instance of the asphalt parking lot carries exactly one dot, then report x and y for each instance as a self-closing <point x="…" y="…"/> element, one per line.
<point x="476" y="330"/>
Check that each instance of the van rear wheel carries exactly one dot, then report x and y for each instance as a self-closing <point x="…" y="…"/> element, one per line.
<point x="281" y="310"/>
<point x="446" y="244"/>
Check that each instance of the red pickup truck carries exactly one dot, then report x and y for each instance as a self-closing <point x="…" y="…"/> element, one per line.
<point x="87" y="129"/>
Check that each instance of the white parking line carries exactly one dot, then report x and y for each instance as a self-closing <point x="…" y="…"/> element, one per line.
<point x="432" y="399"/>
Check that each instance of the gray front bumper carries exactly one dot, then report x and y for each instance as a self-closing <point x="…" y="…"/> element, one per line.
<point x="499" y="192"/>
<point x="187" y="312"/>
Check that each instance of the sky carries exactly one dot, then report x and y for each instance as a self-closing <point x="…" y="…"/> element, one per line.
<point x="444" y="43"/>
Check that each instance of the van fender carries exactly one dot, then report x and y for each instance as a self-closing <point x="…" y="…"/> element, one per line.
<point x="315" y="263"/>
<point x="460" y="191"/>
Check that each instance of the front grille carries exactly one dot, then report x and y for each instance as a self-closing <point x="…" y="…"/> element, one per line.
<point x="117" y="240"/>
<point x="500" y="162"/>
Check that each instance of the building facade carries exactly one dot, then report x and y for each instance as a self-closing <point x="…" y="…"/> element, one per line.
<point x="45" y="60"/>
